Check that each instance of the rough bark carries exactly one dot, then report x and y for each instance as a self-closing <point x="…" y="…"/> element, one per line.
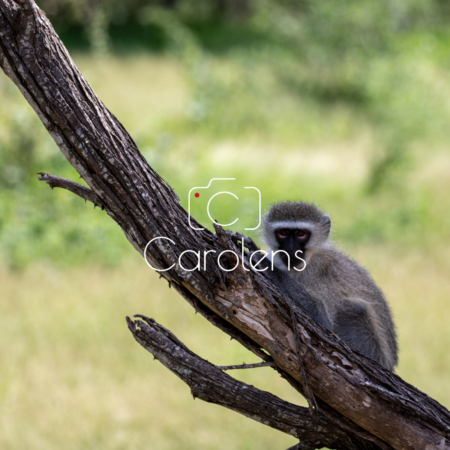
<point x="209" y="383"/>
<point x="352" y="391"/>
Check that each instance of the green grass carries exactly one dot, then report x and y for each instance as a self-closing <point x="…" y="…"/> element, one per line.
<point x="72" y="375"/>
<point x="230" y="117"/>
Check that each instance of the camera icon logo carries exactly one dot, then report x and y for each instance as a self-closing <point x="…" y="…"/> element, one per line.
<point x="194" y="193"/>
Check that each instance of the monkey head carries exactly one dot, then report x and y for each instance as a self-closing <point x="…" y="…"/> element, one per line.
<point x="294" y="231"/>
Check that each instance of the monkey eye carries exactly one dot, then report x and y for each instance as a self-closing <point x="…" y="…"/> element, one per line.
<point x="302" y="235"/>
<point x="283" y="233"/>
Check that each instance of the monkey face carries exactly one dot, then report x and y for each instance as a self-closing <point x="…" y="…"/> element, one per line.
<point x="291" y="240"/>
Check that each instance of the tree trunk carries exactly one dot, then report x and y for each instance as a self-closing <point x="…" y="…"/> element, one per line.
<point x="355" y="395"/>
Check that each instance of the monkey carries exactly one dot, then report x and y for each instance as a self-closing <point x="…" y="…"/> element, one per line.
<point x="333" y="289"/>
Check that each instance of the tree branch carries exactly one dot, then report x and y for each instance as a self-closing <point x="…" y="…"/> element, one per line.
<point x="246" y="366"/>
<point x="351" y="390"/>
<point x="76" y="188"/>
<point x="207" y="382"/>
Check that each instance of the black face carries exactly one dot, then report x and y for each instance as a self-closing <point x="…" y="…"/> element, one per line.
<point x="291" y="240"/>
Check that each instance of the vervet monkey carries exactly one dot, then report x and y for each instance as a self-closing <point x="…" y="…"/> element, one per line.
<point x="340" y="294"/>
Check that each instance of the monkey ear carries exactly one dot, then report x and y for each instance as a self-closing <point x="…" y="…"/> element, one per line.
<point x="327" y="223"/>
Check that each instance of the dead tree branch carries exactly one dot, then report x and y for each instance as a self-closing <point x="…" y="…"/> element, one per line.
<point x="76" y="188"/>
<point x="351" y="390"/>
<point x="210" y="384"/>
<point x="246" y="366"/>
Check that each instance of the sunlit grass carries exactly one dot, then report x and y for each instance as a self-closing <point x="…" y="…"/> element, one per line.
<point x="73" y="376"/>
<point x="142" y="91"/>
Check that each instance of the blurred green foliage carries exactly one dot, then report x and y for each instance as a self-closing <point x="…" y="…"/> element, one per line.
<point x="340" y="103"/>
<point x="34" y="222"/>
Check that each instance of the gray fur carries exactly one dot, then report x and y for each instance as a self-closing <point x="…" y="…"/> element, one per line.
<point x="333" y="289"/>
